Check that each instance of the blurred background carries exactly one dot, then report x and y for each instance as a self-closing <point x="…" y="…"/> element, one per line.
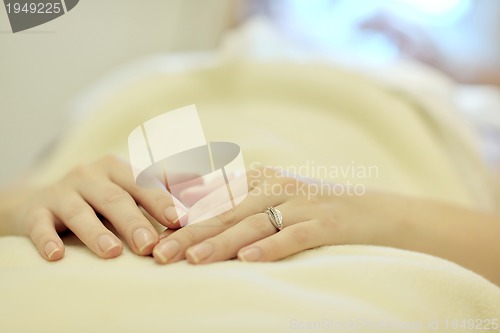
<point x="43" y="69"/>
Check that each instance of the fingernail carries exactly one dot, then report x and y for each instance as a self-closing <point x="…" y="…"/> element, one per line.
<point x="174" y="214"/>
<point x="106" y="243"/>
<point x="251" y="254"/>
<point x="200" y="252"/>
<point x="142" y="238"/>
<point x="50" y="249"/>
<point x="166" y="251"/>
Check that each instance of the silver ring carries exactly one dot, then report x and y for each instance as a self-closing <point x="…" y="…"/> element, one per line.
<point x="275" y="217"/>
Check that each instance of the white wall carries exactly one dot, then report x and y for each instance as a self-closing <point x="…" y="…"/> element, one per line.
<point x="43" y="68"/>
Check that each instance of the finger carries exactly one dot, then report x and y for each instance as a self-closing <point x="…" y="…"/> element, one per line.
<point x="119" y="208"/>
<point x="220" y="194"/>
<point x="166" y="233"/>
<point x="226" y="244"/>
<point x="160" y="204"/>
<point x="290" y="240"/>
<point x="251" y="229"/>
<point x="184" y="181"/>
<point x="172" y="248"/>
<point x="217" y="202"/>
<point x="43" y="234"/>
<point x="249" y="181"/>
<point x="81" y="219"/>
<point x="195" y="193"/>
<point x="157" y="201"/>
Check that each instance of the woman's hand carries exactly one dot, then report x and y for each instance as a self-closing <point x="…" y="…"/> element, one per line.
<point x="316" y="214"/>
<point x="309" y="214"/>
<point x="104" y="188"/>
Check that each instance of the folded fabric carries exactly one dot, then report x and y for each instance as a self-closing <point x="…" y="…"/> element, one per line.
<point x="307" y="116"/>
<point x="330" y="289"/>
<point x="301" y="117"/>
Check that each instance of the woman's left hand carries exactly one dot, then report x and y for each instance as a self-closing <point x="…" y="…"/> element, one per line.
<point x="310" y="219"/>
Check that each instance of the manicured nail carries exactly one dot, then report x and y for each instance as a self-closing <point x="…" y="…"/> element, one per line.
<point x="50" y="249"/>
<point x="174" y="214"/>
<point x="251" y="254"/>
<point x="143" y="238"/>
<point x="107" y="243"/>
<point x="165" y="251"/>
<point x="200" y="252"/>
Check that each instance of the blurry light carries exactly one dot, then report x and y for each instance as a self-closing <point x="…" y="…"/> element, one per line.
<point x="433" y="7"/>
<point x="333" y="25"/>
<point x="437" y="12"/>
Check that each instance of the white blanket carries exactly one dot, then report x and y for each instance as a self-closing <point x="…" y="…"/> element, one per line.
<point x="285" y="115"/>
<point x="336" y="288"/>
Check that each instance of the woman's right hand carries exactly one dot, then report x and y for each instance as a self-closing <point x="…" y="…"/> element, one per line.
<point x="103" y="188"/>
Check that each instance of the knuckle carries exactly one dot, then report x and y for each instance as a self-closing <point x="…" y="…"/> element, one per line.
<point x="328" y="222"/>
<point x="301" y="235"/>
<point x="332" y="226"/>
<point x="260" y="223"/>
<point x="162" y="201"/>
<point x="273" y="248"/>
<point x="109" y="159"/>
<point x="133" y="221"/>
<point x="38" y="238"/>
<point x="188" y="235"/>
<point x="114" y="196"/>
<point x="52" y="190"/>
<point x="75" y="210"/>
<point x="43" y="197"/>
<point x="135" y="218"/>
<point x="222" y="241"/>
<point x="227" y="218"/>
<point x="36" y="216"/>
<point x="79" y="171"/>
<point x="207" y="204"/>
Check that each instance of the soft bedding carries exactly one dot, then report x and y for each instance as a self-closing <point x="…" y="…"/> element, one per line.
<point x="330" y="289"/>
<point x="286" y="115"/>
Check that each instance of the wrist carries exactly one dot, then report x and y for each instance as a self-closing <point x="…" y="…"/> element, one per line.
<point x="373" y="219"/>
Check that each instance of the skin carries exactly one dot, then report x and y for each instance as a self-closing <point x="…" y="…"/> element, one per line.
<point x="106" y="188"/>
<point x="313" y="216"/>
<point x="467" y="237"/>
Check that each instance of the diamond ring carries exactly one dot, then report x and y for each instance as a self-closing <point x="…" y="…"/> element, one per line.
<point x="275" y="217"/>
